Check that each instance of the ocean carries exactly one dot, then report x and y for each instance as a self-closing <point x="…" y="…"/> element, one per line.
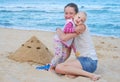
<point x="103" y="15"/>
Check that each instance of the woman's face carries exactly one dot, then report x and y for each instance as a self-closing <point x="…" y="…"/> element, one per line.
<point x="69" y="12"/>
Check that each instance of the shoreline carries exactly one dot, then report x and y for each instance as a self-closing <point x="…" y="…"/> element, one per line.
<point x="99" y="35"/>
<point x="107" y="48"/>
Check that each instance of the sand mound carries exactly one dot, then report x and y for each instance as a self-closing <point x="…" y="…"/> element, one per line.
<point x="32" y="51"/>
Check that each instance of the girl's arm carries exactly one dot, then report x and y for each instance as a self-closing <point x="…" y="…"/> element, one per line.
<point x="65" y="37"/>
<point x="80" y="29"/>
<point x="68" y="36"/>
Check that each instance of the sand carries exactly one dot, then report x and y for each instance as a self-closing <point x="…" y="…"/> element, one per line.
<point x="108" y="50"/>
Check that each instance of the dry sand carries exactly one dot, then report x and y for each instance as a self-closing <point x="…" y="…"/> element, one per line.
<point x="108" y="50"/>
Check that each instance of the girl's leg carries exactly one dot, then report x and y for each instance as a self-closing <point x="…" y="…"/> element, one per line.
<point x="58" y="47"/>
<point x="58" y="52"/>
<point x="75" y="68"/>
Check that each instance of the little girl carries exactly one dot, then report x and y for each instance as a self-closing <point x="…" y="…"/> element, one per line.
<point x="61" y="46"/>
<point x="70" y="10"/>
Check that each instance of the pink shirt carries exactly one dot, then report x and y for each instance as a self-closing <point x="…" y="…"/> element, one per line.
<point x="69" y="27"/>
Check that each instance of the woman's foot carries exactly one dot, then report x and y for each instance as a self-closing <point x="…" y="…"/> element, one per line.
<point x="96" y="77"/>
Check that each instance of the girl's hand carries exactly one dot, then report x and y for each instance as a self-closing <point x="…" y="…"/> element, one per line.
<point x="80" y="29"/>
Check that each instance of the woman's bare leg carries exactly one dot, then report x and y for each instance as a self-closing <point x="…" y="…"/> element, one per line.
<point x="68" y="63"/>
<point x="68" y="52"/>
<point x="75" y="69"/>
<point x="71" y="76"/>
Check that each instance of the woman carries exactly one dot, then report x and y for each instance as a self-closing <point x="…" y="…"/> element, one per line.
<point x="86" y="63"/>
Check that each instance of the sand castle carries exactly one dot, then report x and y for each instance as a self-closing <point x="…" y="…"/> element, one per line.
<point x="32" y="51"/>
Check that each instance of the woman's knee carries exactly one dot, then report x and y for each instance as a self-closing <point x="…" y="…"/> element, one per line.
<point x="59" y="68"/>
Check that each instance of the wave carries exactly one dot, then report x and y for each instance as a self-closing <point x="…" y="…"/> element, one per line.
<point x="105" y="29"/>
<point x="91" y="7"/>
<point x="98" y="11"/>
<point x="98" y="7"/>
<point x="113" y="4"/>
<point x="30" y="9"/>
<point x="57" y="7"/>
<point x="94" y="9"/>
<point x="6" y="24"/>
<point x="40" y="11"/>
<point x="28" y="6"/>
<point x="105" y="26"/>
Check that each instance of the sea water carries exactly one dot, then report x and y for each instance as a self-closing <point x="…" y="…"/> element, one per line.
<point x="103" y="15"/>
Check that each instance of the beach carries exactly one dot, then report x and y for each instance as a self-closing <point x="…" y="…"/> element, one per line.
<point x="107" y="48"/>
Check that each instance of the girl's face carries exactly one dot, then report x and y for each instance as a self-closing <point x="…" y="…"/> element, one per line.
<point x="79" y="18"/>
<point x="69" y="12"/>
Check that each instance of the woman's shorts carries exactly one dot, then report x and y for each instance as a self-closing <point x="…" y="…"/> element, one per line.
<point x="88" y="64"/>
